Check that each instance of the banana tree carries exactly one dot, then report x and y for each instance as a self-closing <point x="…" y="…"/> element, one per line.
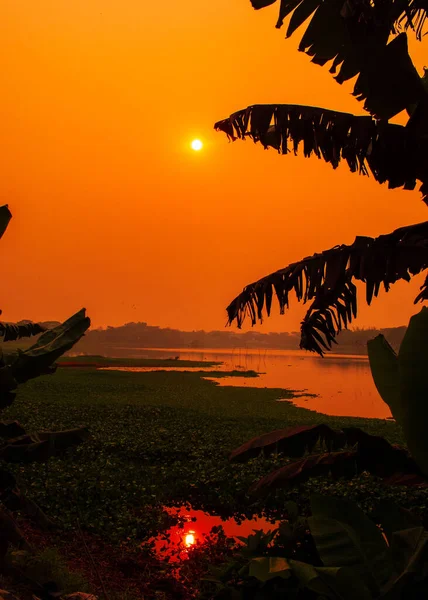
<point x="355" y="35"/>
<point x="15" y="444"/>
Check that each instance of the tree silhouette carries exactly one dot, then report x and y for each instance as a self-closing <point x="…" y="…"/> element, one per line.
<point x="367" y="39"/>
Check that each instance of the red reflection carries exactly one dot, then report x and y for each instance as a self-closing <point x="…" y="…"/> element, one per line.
<point x="190" y="539"/>
<point x="194" y="525"/>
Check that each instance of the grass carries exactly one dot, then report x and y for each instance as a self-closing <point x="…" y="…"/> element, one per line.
<point x="163" y="438"/>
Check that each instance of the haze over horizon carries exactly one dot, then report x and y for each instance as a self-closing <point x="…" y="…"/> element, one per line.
<point x="230" y="329"/>
<point x="113" y="211"/>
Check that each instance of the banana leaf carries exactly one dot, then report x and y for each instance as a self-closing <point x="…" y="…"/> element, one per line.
<point x="367" y="535"/>
<point x="364" y="452"/>
<point x="15" y="331"/>
<point x="354" y="38"/>
<point x="330" y="582"/>
<point x="413" y="386"/>
<point x="5" y="217"/>
<point x="394" y="518"/>
<point x="338" y="464"/>
<point x="409" y="548"/>
<point x="339" y="545"/>
<point x="42" y="445"/>
<point x="384" y="369"/>
<point x="392" y="153"/>
<point x="293" y="441"/>
<point x="38" y="359"/>
<point x="11" y="429"/>
<point x="265" y="568"/>
<point x="408" y="479"/>
<point x="327" y="280"/>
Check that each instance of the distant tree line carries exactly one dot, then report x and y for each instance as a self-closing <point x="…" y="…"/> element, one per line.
<point x="133" y="336"/>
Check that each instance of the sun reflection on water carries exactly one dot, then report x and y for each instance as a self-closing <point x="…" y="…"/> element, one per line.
<point x="190" y="539"/>
<point x="176" y="543"/>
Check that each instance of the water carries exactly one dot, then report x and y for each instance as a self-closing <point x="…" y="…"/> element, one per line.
<point x="194" y="525"/>
<point x="343" y="383"/>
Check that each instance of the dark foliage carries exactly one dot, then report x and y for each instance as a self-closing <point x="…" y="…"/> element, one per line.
<point x="42" y="445"/>
<point x="354" y="35"/>
<point x="293" y="441"/>
<point x="40" y="358"/>
<point x="15" y="331"/>
<point x="392" y="153"/>
<point x="362" y="39"/>
<point x="327" y="280"/>
<point x="362" y="452"/>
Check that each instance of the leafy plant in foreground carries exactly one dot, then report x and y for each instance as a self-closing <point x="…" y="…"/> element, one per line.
<point x="337" y="553"/>
<point x="401" y="380"/>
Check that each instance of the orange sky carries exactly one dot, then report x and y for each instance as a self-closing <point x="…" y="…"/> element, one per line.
<point x="113" y="211"/>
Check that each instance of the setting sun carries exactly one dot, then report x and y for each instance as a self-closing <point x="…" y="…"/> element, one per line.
<point x="189" y="539"/>
<point x="196" y="145"/>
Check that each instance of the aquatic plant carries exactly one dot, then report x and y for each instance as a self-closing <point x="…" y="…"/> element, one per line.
<point x="355" y="36"/>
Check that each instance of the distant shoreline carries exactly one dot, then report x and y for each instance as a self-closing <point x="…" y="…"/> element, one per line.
<point x="137" y="337"/>
<point x="141" y="353"/>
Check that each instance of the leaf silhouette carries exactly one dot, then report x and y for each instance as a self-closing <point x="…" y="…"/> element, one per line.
<point x="370" y="453"/>
<point x="11" y="429"/>
<point x="293" y="441"/>
<point x="354" y="36"/>
<point x="5" y="217"/>
<point x="411" y="12"/>
<point x="42" y="445"/>
<point x="343" y="463"/>
<point x="408" y="479"/>
<point x="392" y="153"/>
<point x="14" y="331"/>
<point x="39" y="358"/>
<point x="327" y="280"/>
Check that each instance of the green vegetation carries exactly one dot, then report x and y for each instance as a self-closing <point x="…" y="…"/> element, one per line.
<point x="163" y="438"/>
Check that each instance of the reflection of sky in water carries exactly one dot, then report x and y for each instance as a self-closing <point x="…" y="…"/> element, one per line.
<point x="343" y="382"/>
<point x="194" y="525"/>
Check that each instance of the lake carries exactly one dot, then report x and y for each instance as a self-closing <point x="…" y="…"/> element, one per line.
<point x="342" y="382"/>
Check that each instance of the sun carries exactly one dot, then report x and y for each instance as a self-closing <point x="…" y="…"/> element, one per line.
<point x="197" y="145"/>
<point x="189" y="539"/>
